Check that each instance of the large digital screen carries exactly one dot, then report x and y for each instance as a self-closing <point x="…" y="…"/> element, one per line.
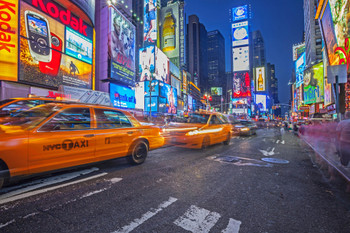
<point x="9" y="51"/>
<point x="78" y="46"/>
<point x="329" y="36"/>
<point x="240" y="13"/>
<point x="328" y="95"/>
<point x="177" y="84"/>
<point x="241" y="85"/>
<point x="216" y="91"/>
<point x="260" y="79"/>
<point x="53" y="50"/>
<point x="260" y="101"/>
<point x="299" y="70"/>
<point x="298" y="51"/>
<point x="162" y="66"/>
<point x="190" y="103"/>
<point x="146" y="66"/>
<point x="174" y="70"/>
<point x="240" y="34"/>
<point x="121" y="46"/>
<point x="140" y="95"/>
<point x="170" y="30"/>
<point x="150" y="22"/>
<point x="170" y="94"/>
<point x="122" y="97"/>
<point x="240" y="59"/>
<point x="313" y="84"/>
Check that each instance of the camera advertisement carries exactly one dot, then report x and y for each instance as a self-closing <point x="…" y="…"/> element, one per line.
<point x="56" y="45"/>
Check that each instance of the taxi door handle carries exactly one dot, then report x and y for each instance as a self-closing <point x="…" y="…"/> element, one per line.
<point x="130" y="132"/>
<point x="89" y="135"/>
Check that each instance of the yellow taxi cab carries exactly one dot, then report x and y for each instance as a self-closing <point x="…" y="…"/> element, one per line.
<point x="60" y="135"/>
<point x="199" y="130"/>
<point x="9" y="107"/>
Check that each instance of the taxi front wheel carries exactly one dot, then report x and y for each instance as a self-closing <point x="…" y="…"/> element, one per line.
<point x="139" y="152"/>
<point x="2" y="176"/>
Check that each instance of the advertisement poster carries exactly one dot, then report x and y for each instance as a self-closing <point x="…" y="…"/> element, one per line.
<point x="162" y="66"/>
<point x="54" y="50"/>
<point x="240" y="58"/>
<point x="340" y="14"/>
<point x="240" y="13"/>
<point x="299" y="70"/>
<point x="85" y="95"/>
<point x="121" y="48"/>
<point x="216" y="91"/>
<point x="154" y="87"/>
<point x="328" y="95"/>
<point x="184" y="82"/>
<point x="260" y="79"/>
<point x="170" y="30"/>
<point x="177" y="84"/>
<point x="240" y="34"/>
<point x="241" y="85"/>
<point x="9" y="41"/>
<point x="170" y="94"/>
<point x="190" y="103"/>
<point x="122" y="97"/>
<point x="146" y="66"/>
<point x="313" y="84"/>
<point x="150" y="24"/>
<point x="298" y="51"/>
<point x="329" y="35"/>
<point x="260" y="101"/>
<point x="140" y="95"/>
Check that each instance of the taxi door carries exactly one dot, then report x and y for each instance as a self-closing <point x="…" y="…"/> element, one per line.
<point x="114" y="134"/>
<point x="65" y="140"/>
<point x="216" y="129"/>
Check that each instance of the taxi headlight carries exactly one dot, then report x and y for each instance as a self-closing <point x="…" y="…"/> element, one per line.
<point x="245" y="129"/>
<point x="191" y="133"/>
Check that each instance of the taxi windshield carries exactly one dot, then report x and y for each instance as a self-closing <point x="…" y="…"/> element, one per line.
<point x="198" y="118"/>
<point x="32" y="117"/>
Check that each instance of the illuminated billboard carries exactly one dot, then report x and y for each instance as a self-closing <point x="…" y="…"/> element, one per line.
<point x="260" y="79"/>
<point x="140" y="95"/>
<point x="170" y="94"/>
<point x="329" y="36"/>
<point x="313" y="84"/>
<point x="299" y="70"/>
<point x="241" y="85"/>
<point x="170" y="30"/>
<point x="153" y="89"/>
<point x="9" y="41"/>
<point x="298" y="51"/>
<point x="122" y="97"/>
<point x="55" y="50"/>
<point x="121" y="48"/>
<point x="216" y="90"/>
<point x="161" y="66"/>
<point x="177" y="84"/>
<point x="240" y="13"/>
<point x="150" y="23"/>
<point x="260" y="101"/>
<point x="190" y="103"/>
<point x="240" y="58"/>
<point x="146" y="63"/>
<point x="184" y="82"/>
<point x="240" y="35"/>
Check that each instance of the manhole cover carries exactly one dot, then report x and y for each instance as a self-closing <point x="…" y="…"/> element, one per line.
<point x="275" y="160"/>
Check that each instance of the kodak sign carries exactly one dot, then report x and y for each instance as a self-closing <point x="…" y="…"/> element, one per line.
<point x="63" y="15"/>
<point x="8" y="39"/>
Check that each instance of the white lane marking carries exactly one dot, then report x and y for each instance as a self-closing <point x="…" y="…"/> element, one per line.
<point x="277" y="141"/>
<point x="115" y="180"/>
<point x="233" y="226"/>
<point x="30" y="215"/>
<point x="197" y="220"/>
<point x="282" y="142"/>
<point x="46" y="182"/>
<point x="137" y="222"/>
<point x="93" y="193"/>
<point x="21" y="196"/>
<point x="8" y="223"/>
<point x="268" y="153"/>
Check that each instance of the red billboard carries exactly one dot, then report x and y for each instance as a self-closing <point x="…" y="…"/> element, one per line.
<point x="241" y="85"/>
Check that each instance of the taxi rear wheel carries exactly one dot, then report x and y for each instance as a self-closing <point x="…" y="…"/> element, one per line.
<point x="206" y="142"/>
<point x="139" y="152"/>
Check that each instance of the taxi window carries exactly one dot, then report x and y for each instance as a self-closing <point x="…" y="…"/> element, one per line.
<point x="69" y="119"/>
<point x="19" y="106"/>
<point x="224" y="119"/>
<point x="215" y="120"/>
<point x="110" y="119"/>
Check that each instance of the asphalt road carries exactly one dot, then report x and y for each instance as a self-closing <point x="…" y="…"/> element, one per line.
<point x="263" y="183"/>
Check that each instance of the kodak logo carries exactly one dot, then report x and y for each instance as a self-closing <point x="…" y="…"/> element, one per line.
<point x="64" y="16"/>
<point x="7" y="13"/>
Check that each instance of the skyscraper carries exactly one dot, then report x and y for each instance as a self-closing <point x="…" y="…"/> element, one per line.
<point x="216" y="60"/>
<point x="258" y="45"/>
<point x="313" y="37"/>
<point x="197" y="60"/>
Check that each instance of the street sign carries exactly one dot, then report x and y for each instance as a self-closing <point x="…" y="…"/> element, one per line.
<point x="338" y="70"/>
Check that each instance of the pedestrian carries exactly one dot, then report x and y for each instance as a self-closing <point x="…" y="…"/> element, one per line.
<point x="343" y="142"/>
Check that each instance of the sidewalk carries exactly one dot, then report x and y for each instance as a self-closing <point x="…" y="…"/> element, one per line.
<point x="325" y="147"/>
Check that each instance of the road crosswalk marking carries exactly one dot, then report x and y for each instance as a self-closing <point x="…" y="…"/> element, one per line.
<point x="233" y="226"/>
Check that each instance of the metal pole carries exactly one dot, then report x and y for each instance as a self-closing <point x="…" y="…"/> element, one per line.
<point x="337" y="96"/>
<point x="150" y="99"/>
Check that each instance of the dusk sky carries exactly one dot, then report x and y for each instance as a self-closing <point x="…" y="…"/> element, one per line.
<point x="281" y="24"/>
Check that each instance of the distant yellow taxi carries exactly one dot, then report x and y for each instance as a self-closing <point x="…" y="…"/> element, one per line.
<point x="55" y="136"/>
<point x="199" y="130"/>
